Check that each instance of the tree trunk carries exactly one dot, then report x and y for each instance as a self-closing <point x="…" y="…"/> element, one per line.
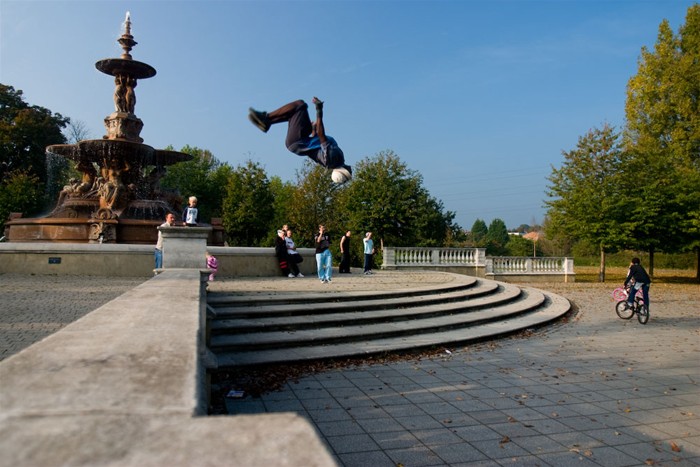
<point x="601" y="273"/>
<point x="651" y="262"/>
<point x="697" y="264"/>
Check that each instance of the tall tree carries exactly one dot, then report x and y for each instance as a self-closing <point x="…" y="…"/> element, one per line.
<point x="663" y="139"/>
<point x="497" y="238"/>
<point x="204" y="177"/>
<point x="586" y="199"/>
<point x="389" y="199"/>
<point x="478" y="233"/>
<point x="25" y="131"/>
<point x="248" y="206"/>
<point x="314" y="202"/>
<point x="20" y="191"/>
<point x="283" y="194"/>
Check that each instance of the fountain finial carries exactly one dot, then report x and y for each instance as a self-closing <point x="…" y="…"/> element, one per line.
<point x="127" y="40"/>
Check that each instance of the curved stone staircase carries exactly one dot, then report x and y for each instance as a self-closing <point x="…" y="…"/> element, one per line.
<point x="253" y="329"/>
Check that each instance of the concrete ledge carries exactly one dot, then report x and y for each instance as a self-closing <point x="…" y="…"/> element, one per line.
<point x="516" y="278"/>
<point x="474" y="271"/>
<point x="127" y="260"/>
<point x="122" y="385"/>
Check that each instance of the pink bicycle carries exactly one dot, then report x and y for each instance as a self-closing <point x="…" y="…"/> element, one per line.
<point x="623" y="308"/>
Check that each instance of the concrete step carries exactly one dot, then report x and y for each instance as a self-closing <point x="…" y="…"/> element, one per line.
<point x="409" y="324"/>
<point x="551" y="309"/>
<point x="252" y="329"/>
<point x="222" y="302"/>
<point x="351" y="302"/>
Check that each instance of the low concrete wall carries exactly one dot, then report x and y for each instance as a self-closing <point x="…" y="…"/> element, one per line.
<point x="90" y="259"/>
<point x="124" y="386"/>
<point x="133" y="260"/>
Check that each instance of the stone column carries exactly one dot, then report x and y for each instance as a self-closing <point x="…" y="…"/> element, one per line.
<point x="185" y="247"/>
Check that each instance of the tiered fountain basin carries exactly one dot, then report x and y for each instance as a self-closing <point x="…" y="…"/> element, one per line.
<point x="139" y="168"/>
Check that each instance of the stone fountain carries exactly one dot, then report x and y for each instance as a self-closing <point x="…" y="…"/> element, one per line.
<point x="118" y="198"/>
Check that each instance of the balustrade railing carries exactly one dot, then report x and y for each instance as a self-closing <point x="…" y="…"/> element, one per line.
<point x="527" y="265"/>
<point x="417" y="256"/>
<point x="397" y="257"/>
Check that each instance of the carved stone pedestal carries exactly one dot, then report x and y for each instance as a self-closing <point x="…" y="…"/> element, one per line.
<point x="122" y="125"/>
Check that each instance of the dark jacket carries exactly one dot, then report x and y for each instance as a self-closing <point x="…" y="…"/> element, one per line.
<point x="638" y="273"/>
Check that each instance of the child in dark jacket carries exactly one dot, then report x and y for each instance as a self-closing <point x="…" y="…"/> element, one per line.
<point x="637" y="278"/>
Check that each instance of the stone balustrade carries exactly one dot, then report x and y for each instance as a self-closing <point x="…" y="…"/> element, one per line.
<point x="395" y="257"/>
<point x="520" y="268"/>
<point x="473" y="261"/>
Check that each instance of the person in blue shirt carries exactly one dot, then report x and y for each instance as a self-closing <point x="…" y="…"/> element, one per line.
<point x="305" y="138"/>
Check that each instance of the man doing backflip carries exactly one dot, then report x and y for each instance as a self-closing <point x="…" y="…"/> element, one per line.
<point x="305" y="138"/>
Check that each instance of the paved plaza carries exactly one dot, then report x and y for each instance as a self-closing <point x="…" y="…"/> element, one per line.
<point x="592" y="391"/>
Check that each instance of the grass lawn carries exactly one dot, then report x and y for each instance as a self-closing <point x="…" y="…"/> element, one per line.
<point x="616" y="275"/>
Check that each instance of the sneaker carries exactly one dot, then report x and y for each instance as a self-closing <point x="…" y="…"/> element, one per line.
<point x="300" y="275"/>
<point x="290" y="275"/>
<point x="328" y="280"/>
<point x="323" y="281"/>
<point x="259" y="119"/>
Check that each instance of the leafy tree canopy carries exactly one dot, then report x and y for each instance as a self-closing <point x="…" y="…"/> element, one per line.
<point x="204" y="177"/>
<point x="389" y="199"/>
<point x="248" y="206"/>
<point x="25" y="131"/>
<point x="663" y="140"/>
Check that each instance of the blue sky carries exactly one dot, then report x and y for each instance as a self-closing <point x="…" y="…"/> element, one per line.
<point x="480" y="97"/>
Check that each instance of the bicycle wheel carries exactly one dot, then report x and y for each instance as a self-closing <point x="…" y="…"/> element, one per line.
<point x="623" y="310"/>
<point x="619" y="294"/>
<point x="643" y="314"/>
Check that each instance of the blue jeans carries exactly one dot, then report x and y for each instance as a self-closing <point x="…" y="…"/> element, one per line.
<point x="158" y="255"/>
<point x="368" y="262"/>
<point x="645" y="295"/>
<point x="324" y="264"/>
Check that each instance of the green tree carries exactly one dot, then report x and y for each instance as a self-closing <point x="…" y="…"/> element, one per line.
<point x="25" y="131"/>
<point x="497" y="238"/>
<point x="20" y="191"/>
<point x="389" y="199"/>
<point x="283" y="195"/>
<point x="204" y="177"/>
<point x="519" y="246"/>
<point x="248" y="206"/>
<point x="587" y="201"/>
<point x="314" y="202"/>
<point x="663" y="140"/>
<point x="478" y="233"/>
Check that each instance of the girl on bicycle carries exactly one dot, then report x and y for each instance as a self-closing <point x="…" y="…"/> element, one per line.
<point x="637" y="278"/>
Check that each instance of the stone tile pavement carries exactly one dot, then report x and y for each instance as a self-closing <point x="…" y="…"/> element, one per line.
<point x="33" y="307"/>
<point x="594" y="391"/>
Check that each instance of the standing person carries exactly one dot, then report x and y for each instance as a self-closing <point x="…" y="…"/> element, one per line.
<point x="281" y="253"/>
<point x="305" y="138"/>
<point x="190" y="216"/>
<point x="638" y="278"/>
<point x="345" y="253"/>
<point x="158" y="254"/>
<point x="369" y="251"/>
<point x="292" y="253"/>
<point x="324" y="259"/>
<point x="213" y="264"/>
